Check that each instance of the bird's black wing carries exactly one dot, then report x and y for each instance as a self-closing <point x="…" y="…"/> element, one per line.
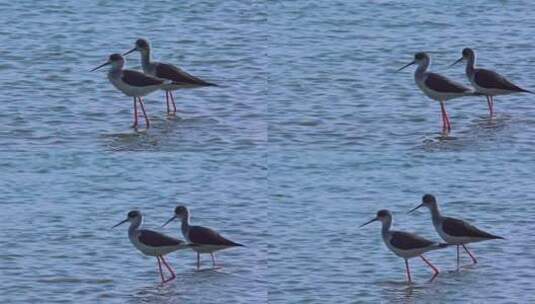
<point x="207" y="236"/>
<point x="156" y="239"/>
<point x="138" y="79"/>
<point x="460" y="228"/>
<point x="442" y="84"/>
<point x="407" y="241"/>
<point x="171" y="72"/>
<point x="491" y="80"/>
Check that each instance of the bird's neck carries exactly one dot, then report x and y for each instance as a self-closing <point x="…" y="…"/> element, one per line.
<point x="435" y="213"/>
<point x="470" y="66"/>
<point x="134" y="226"/>
<point x="387" y="223"/>
<point x="115" y="72"/>
<point x="185" y="225"/>
<point x="145" y="60"/>
<point x="422" y="68"/>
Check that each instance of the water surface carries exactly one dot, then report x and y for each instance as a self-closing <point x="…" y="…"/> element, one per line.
<point x="349" y="136"/>
<point x="72" y="167"/>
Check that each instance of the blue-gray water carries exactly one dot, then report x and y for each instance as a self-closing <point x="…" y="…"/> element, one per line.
<point x="310" y="133"/>
<point x="71" y="167"/>
<point x="349" y="136"/>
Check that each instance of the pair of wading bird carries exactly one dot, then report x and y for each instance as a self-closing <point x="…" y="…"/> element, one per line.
<point x="440" y="88"/>
<point x="156" y="76"/>
<point x="199" y="239"/>
<point x="453" y="231"/>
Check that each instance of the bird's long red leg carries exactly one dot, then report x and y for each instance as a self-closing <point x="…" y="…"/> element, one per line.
<point x="173" y="102"/>
<point x="173" y="276"/>
<point x="444" y="124"/>
<point x="445" y="119"/>
<point x="442" y="115"/>
<point x="213" y="260"/>
<point x="458" y="258"/>
<point x="147" y="122"/>
<point x="135" y="114"/>
<point x="446" y="115"/>
<point x="430" y="265"/>
<point x="470" y="254"/>
<point x="160" y="268"/>
<point x="167" y="101"/>
<point x="408" y="270"/>
<point x="491" y="106"/>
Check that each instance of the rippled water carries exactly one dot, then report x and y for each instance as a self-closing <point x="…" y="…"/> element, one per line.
<point x="347" y="136"/>
<point x="72" y="167"/>
<point x="333" y="83"/>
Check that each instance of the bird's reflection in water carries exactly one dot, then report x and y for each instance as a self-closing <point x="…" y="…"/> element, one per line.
<point x="158" y="293"/>
<point x="135" y="140"/>
<point x="404" y="292"/>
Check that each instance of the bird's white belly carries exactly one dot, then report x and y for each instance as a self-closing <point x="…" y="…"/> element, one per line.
<point x="154" y="251"/>
<point x="129" y="90"/>
<point x="405" y="253"/>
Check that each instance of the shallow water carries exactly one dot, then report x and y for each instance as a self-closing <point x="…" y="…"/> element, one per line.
<point x="333" y="83"/>
<point x="72" y="167"/>
<point x="347" y="136"/>
<point x="331" y="258"/>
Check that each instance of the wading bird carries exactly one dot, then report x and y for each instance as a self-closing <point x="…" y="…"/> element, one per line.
<point x="436" y="87"/>
<point x="131" y="83"/>
<point x="404" y="244"/>
<point x="152" y="243"/>
<point x="180" y="79"/>
<point x="487" y="82"/>
<point x="454" y="231"/>
<point x="205" y="240"/>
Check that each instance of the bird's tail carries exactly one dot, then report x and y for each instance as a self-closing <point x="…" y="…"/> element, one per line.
<point x="210" y="84"/>
<point x="237" y="244"/>
<point x="442" y="245"/>
<point x="199" y="84"/>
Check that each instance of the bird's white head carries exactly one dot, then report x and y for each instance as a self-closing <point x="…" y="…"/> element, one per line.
<point x="467" y="55"/>
<point x="428" y="200"/>
<point x="181" y="213"/>
<point x="134" y="217"/>
<point x="384" y="216"/>
<point x="115" y="60"/>
<point x="420" y="58"/>
<point x="142" y="46"/>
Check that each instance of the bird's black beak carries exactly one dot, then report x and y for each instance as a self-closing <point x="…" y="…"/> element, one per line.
<point x="132" y="50"/>
<point x="104" y="64"/>
<point x="408" y="64"/>
<point x="169" y="221"/>
<point x="414" y="209"/>
<point x="371" y="221"/>
<point x="458" y="60"/>
<point x="122" y="222"/>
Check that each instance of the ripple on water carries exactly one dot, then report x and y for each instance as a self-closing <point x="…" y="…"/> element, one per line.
<point x="72" y="167"/>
